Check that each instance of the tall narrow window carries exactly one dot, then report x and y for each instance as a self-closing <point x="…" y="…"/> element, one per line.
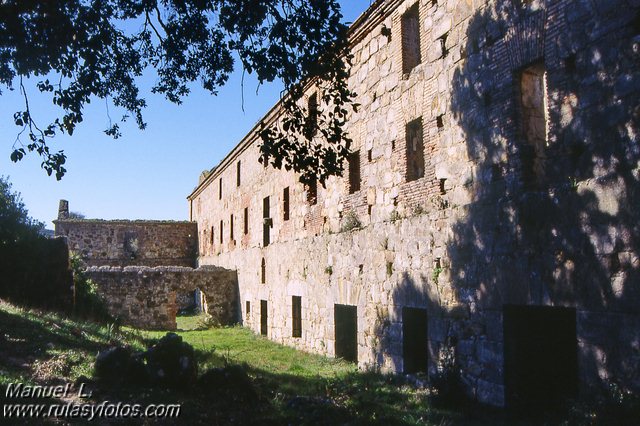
<point x="263" y="271"/>
<point x="312" y="192"/>
<point x="266" y="222"/>
<point x="410" y="39"/>
<point x="221" y="232"/>
<point x="220" y="189"/>
<point x="231" y="228"/>
<point x="415" y="150"/>
<point x="285" y="203"/>
<point x="443" y="45"/>
<point x="296" y="315"/>
<point x="533" y="106"/>
<point x="312" y="123"/>
<point x="211" y="237"/>
<point x="246" y="220"/>
<point x="354" y="172"/>
<point x="247" y="310"/>
<point x="238" y="174"/>
<point x="264" y="319"/>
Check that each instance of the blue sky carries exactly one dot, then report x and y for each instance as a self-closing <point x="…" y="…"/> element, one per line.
<point x="144" y="174"/>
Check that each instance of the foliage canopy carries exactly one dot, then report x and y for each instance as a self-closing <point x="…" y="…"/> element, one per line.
<point x="15" y="223"/>
<point x="84" y="49"/>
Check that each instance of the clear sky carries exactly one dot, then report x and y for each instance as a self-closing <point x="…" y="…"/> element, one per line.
<point x="144" y="174"/>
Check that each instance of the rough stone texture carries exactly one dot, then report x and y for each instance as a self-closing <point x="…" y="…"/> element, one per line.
<point x="144" y="269"/>
<point x="472" y="234"/>
<point x="123" y="243"/>
<point x="146" y="297"/>
<point x="186" y="301"/>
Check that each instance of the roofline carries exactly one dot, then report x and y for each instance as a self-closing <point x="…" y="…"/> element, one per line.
<point x="357" y="31"/>
<point x="123" y="221"/>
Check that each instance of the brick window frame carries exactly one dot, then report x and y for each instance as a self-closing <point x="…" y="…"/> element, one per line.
<point x="312" y="192"/>
<point x="410" y="27"/>
<point x="415" y="161"/>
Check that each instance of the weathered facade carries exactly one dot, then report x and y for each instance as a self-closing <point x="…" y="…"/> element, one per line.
<point x="488" y="218"/>
<point x="148" y="298"/>
<point x="144" y="270"/>
<point x="129" y="242"/>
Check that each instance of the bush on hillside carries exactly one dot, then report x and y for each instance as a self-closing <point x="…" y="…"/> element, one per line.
<point x="88" y="303"/>
<point x="169" y="363"/>
<point x="34" y="269"/>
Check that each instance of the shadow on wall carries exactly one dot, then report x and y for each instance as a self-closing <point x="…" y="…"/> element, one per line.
<point x="421" y="324"/>
<point x="548" y="98"/>
<point x="554" y="219"/>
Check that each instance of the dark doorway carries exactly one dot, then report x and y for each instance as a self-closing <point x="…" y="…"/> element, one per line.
<point x="415" y="346"/>
<point x="346" y="320"/>
<point x="540" y="357"/>
<point x="263" y="317"/>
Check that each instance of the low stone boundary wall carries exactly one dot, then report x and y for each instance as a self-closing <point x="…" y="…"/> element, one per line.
<point x="145" y="297"/>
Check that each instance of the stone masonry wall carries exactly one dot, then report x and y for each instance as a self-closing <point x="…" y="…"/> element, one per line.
<point x="123" y="243"/>
<point x="146" y="297"/>
<point x="494" y="221"/>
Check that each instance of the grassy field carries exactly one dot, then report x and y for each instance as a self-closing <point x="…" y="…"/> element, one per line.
<point x="291" y="387"/>
<point x="236" y="345"/>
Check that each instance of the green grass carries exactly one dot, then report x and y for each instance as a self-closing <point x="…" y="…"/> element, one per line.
<point x="240" y="345"/>
<point x="292" y="387"/>
<point x="40" y="346"/>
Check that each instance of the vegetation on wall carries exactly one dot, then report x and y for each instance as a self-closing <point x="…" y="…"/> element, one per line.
<point x="350" y="222"/>
<point x="87" y="303"/>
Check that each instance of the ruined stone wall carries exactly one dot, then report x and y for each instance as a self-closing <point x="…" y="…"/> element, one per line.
<point x="508" y="213"/>
<point x="147" y="297"/>
<point x="123" y="242"/>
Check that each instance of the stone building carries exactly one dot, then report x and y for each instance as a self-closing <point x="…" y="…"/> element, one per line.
<point x="145" y="269"/>
<point x="487" y="221"/>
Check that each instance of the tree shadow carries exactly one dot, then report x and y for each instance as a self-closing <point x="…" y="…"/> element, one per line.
<point x="567" y="233"/>
<point x="552" y="221"/>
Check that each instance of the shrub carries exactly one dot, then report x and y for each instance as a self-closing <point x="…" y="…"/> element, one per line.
<point x="436" y="274"/>
<point x="614" y="405"/>
<point x="417" y="210"/>
<point x="350" y="222"/>
<point x="87" y="302"/>
<point x="230" y="381"/>
<point x="169" y="363"/>
<point x="447" y="382"/>
<point x="206" y="322"/>
<point x="35" y="269"/>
